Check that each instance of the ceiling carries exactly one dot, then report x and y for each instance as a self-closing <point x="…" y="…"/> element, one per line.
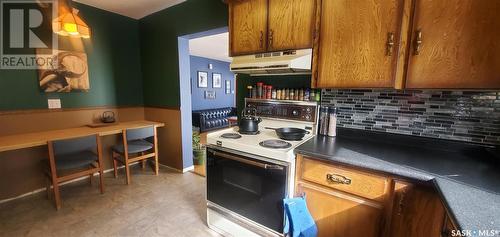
<point x="213" y="47"/>
<point x="136" y="9"/>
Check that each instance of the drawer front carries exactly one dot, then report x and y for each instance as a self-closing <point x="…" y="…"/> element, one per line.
<point x="347" y="180"/>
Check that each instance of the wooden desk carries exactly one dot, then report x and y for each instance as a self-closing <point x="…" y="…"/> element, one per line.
<point x="26" y="140"/>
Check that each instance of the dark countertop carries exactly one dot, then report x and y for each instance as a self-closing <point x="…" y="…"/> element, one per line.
<point x="467" y="176"/>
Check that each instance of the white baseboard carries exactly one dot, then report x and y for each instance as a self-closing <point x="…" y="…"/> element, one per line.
<point x="67" y="182"/>
<point x="178" y="170"/>
<point x="188" y="169"/>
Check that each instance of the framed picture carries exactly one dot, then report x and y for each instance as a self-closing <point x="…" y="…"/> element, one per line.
<point x="210" y="95"/>
<point x="202" y="79"/>
<point x="216" y="80"/>
<point x="68" y="73"/>
<point x="228" y="87"/>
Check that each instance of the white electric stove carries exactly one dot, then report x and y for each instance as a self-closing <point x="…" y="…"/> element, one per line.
<point x="248" y="176"/>
<point x="251" y="143"/>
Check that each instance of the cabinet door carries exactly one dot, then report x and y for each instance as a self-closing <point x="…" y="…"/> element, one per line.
<point x="417" y="212"/>
<point x="338" y="214"/>
<point x="247" y="26"/>
<point x="459" y="44"/>
<point x="355" y="43"/>
<point x="291" y="24"/>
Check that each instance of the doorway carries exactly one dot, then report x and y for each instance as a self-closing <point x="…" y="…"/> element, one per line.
<point x="207" y="90"/>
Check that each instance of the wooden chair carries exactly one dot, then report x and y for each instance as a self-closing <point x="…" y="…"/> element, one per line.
<point x="71" y="159"/>
<point x="136" y="147"/>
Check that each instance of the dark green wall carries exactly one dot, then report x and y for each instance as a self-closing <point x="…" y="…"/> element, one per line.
<point x="159" y="52"/>
<point x="114" y="68"/>
<point x="285" y="81"/>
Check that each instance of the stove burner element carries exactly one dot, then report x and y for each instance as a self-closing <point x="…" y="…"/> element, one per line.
<point x="249" y="133"/>
<point x="231" y="135"/>
<point x="275" y="144"/>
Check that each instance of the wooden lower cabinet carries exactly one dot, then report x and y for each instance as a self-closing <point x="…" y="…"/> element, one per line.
<point x="404" y="209"/>
<point x="338" y="214"/>
<point x="417" y="212"/>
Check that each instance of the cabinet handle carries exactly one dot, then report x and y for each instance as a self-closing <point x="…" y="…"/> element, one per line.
<point x="390" y="43"/>
<point x="418" y="42"/>
<point x="271" y="36"/>
<point x="339" y="179"/>
<point x="261" y="42"/>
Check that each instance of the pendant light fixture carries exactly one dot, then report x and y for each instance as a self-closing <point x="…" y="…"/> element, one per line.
<point x="68" y="23"/>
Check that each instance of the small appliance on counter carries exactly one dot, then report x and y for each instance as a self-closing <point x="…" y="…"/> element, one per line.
<point x="249" y="122"/>
<point x="108" y="117"/>
<point x="249" y="175"/>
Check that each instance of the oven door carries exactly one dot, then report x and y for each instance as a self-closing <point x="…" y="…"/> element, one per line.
<point x="248" y="186"/>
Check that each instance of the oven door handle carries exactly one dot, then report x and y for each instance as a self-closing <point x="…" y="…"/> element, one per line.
<point x="248" y="162"/>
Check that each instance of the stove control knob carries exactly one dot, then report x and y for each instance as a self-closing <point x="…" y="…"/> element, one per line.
<point x="308" y="117"/>
<point x="295" y="113"/>
<point x="308" y="110"/>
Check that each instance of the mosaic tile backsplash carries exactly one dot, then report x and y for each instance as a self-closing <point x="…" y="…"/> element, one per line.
<point x="455" y="115"/>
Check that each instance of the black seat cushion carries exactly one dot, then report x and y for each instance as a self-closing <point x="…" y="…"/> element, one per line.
<point x="135" y="146"/>
<point x="75" y="160"/>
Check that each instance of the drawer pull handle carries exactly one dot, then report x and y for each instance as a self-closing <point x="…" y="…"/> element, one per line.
<point x="339" y="179"/>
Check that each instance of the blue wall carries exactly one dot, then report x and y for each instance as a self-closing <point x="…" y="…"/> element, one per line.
<point x="222" y="99"/>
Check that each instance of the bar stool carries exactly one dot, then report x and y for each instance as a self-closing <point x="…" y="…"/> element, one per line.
<point x="71" y="159"/>
<point x="136" y="147"/>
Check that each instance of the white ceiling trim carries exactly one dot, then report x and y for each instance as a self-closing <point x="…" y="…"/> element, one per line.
<point x="213" y="47"/>
<point x="136" y="9"/>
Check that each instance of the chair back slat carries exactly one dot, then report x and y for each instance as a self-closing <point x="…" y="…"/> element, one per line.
<point x="74" y="145"/>
<point x="139" y="133"/>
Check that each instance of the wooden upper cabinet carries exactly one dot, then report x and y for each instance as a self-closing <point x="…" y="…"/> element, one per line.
<point x="458" y="45"/>
<point x="358" y="45"/>
<point x="247" y="26"/>
<point x="291" y="24"/>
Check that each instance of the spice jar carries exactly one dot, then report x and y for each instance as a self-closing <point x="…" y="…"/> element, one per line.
<point x="292" y="94"/>
<point x="278" y="94"/>
<point x="306" y="95"/>
<point x="323" y="121"/>
<point x="249" y="92"/>
<point x="301" y="94"/>
<point x="273" y="94"/>
<point x="269" y="92"/>
<point x="287" y="94"/>
<point x="259" y="90"/>
<point x="332" y="122"/>
<point x="318" y="95"/>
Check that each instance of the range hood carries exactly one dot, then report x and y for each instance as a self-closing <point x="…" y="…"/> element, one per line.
<point x="285" y="62"/>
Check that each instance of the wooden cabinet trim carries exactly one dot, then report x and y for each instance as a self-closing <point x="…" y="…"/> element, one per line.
<point x="404" y="44"/>
<point x="340" y="194"/>
<point x="365" y="185"/>
<point x="315" y="56"/>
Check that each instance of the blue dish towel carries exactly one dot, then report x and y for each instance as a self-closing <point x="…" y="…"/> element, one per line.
<point x="298" y="220"/>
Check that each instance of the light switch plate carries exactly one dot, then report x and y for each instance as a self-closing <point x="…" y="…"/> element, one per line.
<point x="54" y="103"/>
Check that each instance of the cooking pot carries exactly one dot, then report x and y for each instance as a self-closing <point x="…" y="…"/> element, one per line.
<point x="249" y="122"/>
<point x="290" y="134"/>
